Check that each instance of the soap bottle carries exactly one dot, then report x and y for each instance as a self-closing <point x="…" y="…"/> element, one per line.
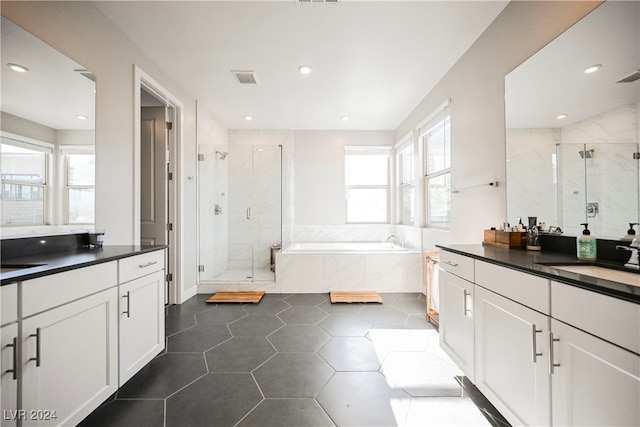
<point x="586" y="245"/>
<point x="631" y="233"/>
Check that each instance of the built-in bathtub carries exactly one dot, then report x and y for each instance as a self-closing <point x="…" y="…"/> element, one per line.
<point x="348" y="266"/>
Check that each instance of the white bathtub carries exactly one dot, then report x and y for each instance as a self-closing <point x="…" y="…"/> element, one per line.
<point x="351" y="266"/>
<point x="342" y="247"/>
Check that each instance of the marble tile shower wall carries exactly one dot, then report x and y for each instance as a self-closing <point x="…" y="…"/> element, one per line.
<point x="612" y="174"/>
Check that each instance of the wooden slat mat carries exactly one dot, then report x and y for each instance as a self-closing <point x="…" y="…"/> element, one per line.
<point x="355" y="296"/>
<point x="237" y="296"/>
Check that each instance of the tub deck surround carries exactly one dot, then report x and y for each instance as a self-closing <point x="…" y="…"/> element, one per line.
<point x="57" y="262"/>
<point x="341" y="247"/>
<point x="534" y="263"/>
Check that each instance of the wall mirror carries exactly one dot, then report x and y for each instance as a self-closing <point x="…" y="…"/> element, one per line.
<point x="47" y="161"/>
<point x="572" y="132"/>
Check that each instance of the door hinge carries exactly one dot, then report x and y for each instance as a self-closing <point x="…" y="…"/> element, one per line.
<point x="200" y="268"/>
<point x="169" y="125"/>
<point x="169" y="277"/>
<point x="636" y="156"/>
<point x="169" y="227"/>
<point x="201" y="157"/>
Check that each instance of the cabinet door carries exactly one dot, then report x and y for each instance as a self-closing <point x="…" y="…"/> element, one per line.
<point x="456" y="321"/>
<point x="8" y="377"/>
<point x="141" y="323"/>
<point x="594" y="382"/>
<point x="69" y="360"/>
<point x="512" y="358"/>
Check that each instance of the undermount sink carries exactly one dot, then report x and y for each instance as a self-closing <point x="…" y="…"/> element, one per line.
<point x="7" y="268"/>
<point x="627" y="277"/>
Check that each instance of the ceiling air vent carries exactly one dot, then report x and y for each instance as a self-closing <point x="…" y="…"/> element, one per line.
<point x="244" y="77"/>
<point x="630" y="78"/>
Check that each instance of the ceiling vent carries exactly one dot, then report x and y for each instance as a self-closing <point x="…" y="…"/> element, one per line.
<point x="88" y="74"/>
<point x="246" y="77"/>
<point x="630" y="78"/>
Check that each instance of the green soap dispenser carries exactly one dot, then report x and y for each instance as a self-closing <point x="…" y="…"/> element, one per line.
<point x="586" y="245"/>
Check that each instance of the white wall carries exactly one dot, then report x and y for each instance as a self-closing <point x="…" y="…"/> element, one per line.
<point x="318" y="173"/>
<point x="80" y="31"/>
<point x="475" y="85"/>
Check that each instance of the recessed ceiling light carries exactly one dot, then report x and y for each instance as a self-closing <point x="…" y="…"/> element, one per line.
<point x="592" y="69"/>
<point x="304" y="69"/>
<point x="344" y="118"/>
<point x="17" y="67"/>
<point x="561" y="116"/>
<point x="81" y="117"/>
<point x="248" y="118"/>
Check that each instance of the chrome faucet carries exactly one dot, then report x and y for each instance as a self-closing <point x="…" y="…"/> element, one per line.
<point x="393" y="236"/>
<point x="634" y="247"/>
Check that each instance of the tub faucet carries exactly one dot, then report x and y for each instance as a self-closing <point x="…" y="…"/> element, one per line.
<point x="634" y="247"/>
<point x="393" y="236"/>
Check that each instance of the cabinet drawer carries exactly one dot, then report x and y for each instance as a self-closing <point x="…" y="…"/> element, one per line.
<point x="609" y="318"/>
<point x="47" y="292"/>
<point x="9" y="303"/>
<point x="140" y="265"/>
<point x="527" y="289"/>
<point x="460" y="265"/>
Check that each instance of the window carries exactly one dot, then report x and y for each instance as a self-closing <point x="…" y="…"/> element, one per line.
<point x="367" y="184"/>
<point x="80" y="186"/>
<point x="406" y="180"/>
<point x="435" y="135"/>
<point x="23" y="170"/>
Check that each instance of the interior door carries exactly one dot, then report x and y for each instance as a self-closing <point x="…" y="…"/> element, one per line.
<point x="153" y="171"/>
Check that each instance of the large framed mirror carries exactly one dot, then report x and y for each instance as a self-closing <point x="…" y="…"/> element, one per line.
<point x="572" y="127"/>
<point x="47" y="159"/>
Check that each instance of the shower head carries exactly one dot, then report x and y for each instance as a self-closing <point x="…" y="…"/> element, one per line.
<point x="586" y="154"/>
<point x="222" y="154"/>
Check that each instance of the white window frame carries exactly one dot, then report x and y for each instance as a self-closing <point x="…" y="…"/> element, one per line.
<point x="406" y="143"/>
<point x="436" y="118"/>
<point x="47" y="150"/>
<point x="368" y="150"/>
<point x="65" y="152"/>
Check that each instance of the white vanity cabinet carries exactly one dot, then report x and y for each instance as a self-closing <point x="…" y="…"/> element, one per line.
<point x="141" y="313"/>
<point x="68" y="344"/>
<point x="456" y="310"/>
<point x="9" y="354"/>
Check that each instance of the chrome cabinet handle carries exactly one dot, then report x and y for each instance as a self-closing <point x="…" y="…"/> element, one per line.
<point x="534" y="333"/>
<point x="14" y="371"/>
<point x="464" y="302"/>
<point x="552" y="364"/>
<point x="37" y="336"/>
<point x="452" y="264"/>
<point x="248" y="213"/>
<point x="128" y="297"/>
<point x="149" y="264"/>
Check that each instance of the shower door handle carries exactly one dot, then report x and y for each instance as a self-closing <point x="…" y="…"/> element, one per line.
<point x="248" y="213"/>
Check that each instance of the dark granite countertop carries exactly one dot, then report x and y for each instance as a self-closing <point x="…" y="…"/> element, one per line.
<point x="58" y="262"/>
<point x="533" y="262"/>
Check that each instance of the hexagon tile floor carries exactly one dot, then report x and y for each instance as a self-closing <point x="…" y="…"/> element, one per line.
<point x="298" y="360"/>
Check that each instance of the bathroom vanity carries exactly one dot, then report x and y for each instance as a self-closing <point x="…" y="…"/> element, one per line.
<point x="75" y="326"/>
<point x="545" y="345"/>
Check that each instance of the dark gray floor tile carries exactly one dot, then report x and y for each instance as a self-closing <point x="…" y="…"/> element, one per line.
<point x="127" y="413"/>
<point x="164" y="375"/>
<point x="419" y="321"/>
<point x="287" y="412"/>
<point x="298" y="338"/>
<point x="339" y="325"/>
<point x="421" y="374"/>
<point x="410" y="306"/>
<point x="351" y="354"/>
<point x="363" y="399"/>
<point x="239" y="354"/>
<point x="213" y="400"/>
<point x="198" y="339"/>
<point x="221" y="314"/>
<point x="341" y="308"/>
<point x="383" y="314"/>
<point x="302" y="315"/>
<point x="174" y="324"/>
<point x="306" y="299"/>
<point x="255" y="326"/>
<point x="190" y="307"/>
<point x="267" y="306"/>
<point x="290" y="375"/>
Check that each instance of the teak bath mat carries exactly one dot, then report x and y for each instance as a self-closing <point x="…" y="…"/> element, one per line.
<point x="237" y="296"/>
<point x="355" y="296"/>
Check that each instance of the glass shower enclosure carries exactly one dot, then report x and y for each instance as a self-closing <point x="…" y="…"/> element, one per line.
<point x="239" y="212"/>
